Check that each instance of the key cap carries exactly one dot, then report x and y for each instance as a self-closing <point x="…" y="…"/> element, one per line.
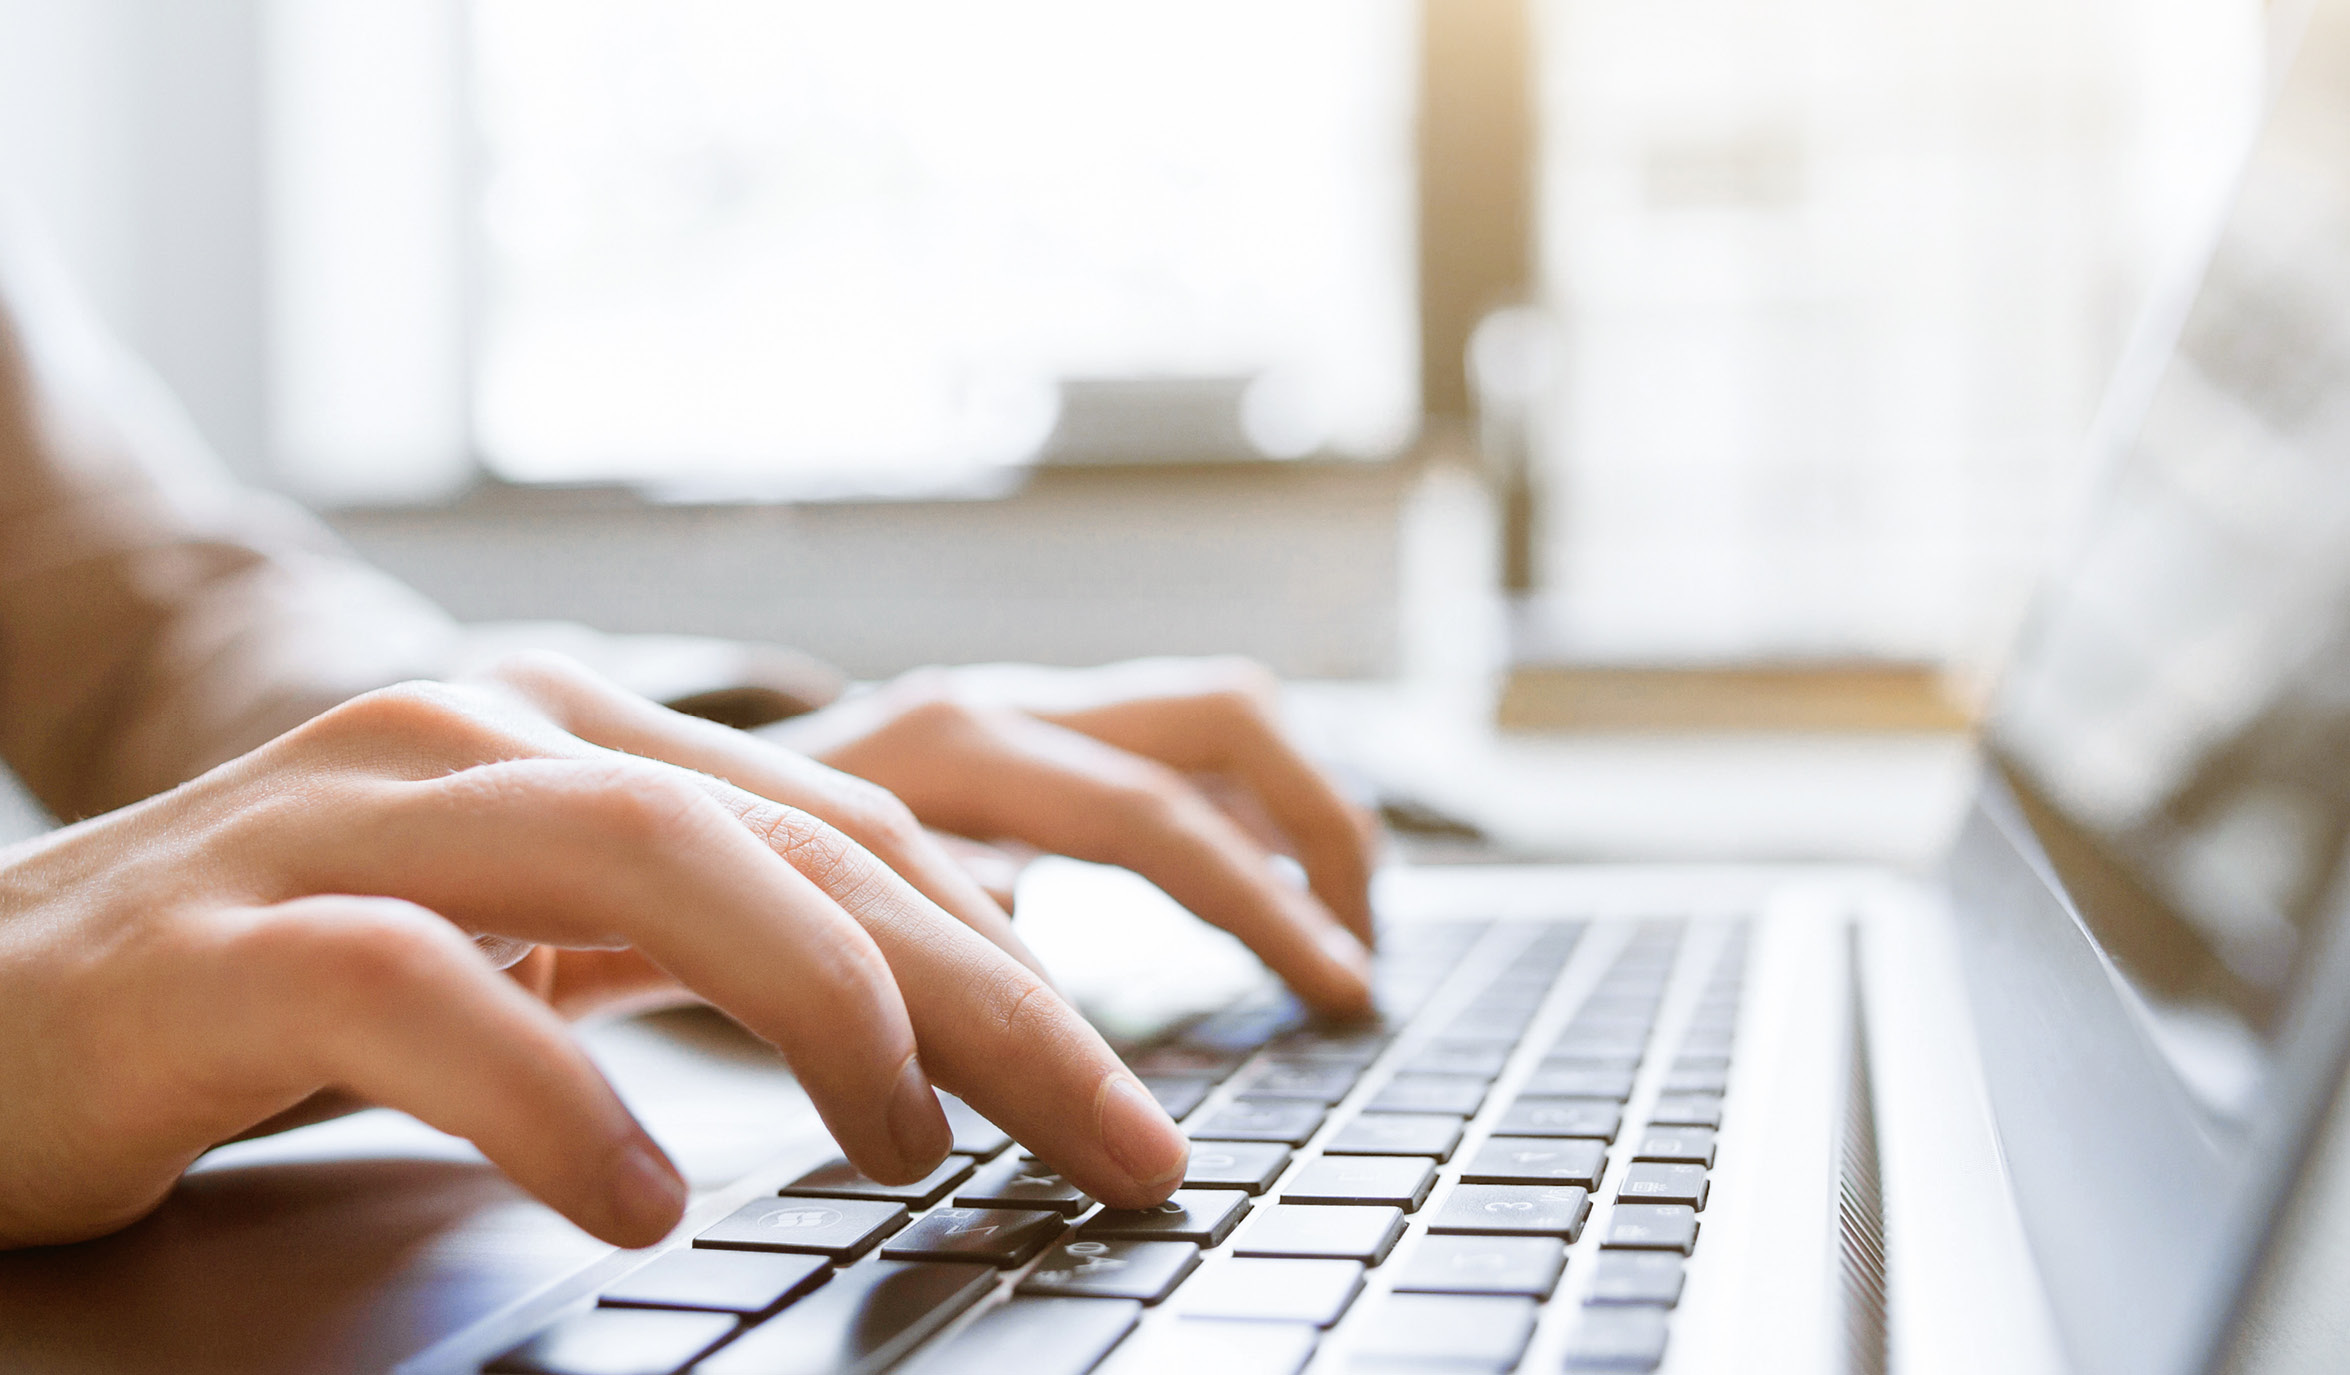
<point x="1681" y="1079"/>
<point x="617" y="1341"/>
<point x="842" y="1228"/>
<point x="1636" y="1277"/>
<point x="1324" y="1231"/>
<point x="1571" y="1079"/>
<point x="1002" y="1237"/>
<point x="1657" y="1182"/>
<point x="1287" y="1121"/>
<point x="1484" y="1265"/>
<point x="974" y="1135"/>
<point x="840" y="1179"/>
<point x="1617" y="1339"/>
<point x="1429" y="1093"/>
<point x="1334" y="1045"/>
<point x="1177" y="1096"/>
<point x="1652" y="1227"/>
<point x="1434" y="1135"/>
<point x="1247" y="1165"/>
<point x="1537" y="1160"/>
<point x="1186" y="1062"/>
<point x="1308" y="1291"/>
<point x="1032" y="1337"/>
<point x="1687" y="1110"/>
<point x="1022" y="1182"/>
<point x="1307" y="1081"/>
<point x="1681" y="1145"/>
<point x="1596" y="1118"/>
<point x="867" y="1319"/>
<point x="1459" y="1057"/>
<point x="1203" y="1217"/>
<point x="1145" y="1271"/>
<point x="722" y="1281"/>
<point x="1224" y="1348"/>
<point x="1706" y="1042"/>
<point x="1575" y="1059"/>
<point x="1471" y="1332"/>
<point x="1599" y="1041"/>
<point x="1617" y="1011"/>
<point x="1395" y="1181"/>
<point x="1513" y="1210"/>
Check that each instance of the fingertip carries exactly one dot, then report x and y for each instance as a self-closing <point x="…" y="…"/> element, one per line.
<point x="917" y="1125"/>
<point x="645" y="1197"/>
<point x="1137" y="1133"/>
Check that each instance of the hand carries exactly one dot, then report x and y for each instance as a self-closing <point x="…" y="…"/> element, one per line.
<point x="1176" y="769"/>
<point x="302" y="919"/>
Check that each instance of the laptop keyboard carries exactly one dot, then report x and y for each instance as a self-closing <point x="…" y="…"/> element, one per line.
<point x="1329" y="1204"/>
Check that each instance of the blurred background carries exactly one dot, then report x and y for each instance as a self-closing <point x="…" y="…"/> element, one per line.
<point x="914" y="330"/>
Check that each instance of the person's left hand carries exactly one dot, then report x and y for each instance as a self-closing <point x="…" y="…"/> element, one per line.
<point x="1174" y="768"/>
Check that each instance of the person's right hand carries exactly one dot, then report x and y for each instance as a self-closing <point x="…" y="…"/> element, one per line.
<point x="304" y="918"/>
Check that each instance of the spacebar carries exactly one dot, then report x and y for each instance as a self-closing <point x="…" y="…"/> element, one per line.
<point x="865" y="1319"/>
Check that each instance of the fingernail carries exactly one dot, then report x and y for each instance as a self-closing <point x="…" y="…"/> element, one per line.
<point x="917" y="1124"/>
<point x="648" y="1197"/>
<point x="1138" y="1134"/>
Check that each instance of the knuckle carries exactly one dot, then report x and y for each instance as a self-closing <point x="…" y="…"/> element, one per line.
<point x="1244" y="685"/>
<point x="404" y="713"/>
<point x="363" y="950"/>
<point x="640" y="803"/>
<point x="539" y="672"/>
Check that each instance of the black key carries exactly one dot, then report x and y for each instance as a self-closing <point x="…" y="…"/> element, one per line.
<point x="1227" y="1348"/>
<point x="1287" y="1121"/>
<point x="722" y="1281"/>
<point x="1513" y="1210"/>
<point x="1469" y="1332"/>
<point x="974" y="1135"/>
<point x="842" y="1228"/>
<point x="1021" y="1181"/>
<point x="1308" y="1291"/>
<point x="1306" y="1080"/>
<point x="1398" y="1133"/>
<point x="1333" y="1232"/>
<point x="1395" y="1181"/>
<point x="1636" y="1277"/>
<point x="1459" y="1057"/>
<point x="1699" y="1079"/>
<point x="1357" y="1046"/>
<point x="840" y="1179"/>
<point x="1484" y="1265"/>
<point x="1430" y="1093"/>
<point x="1187" y="1062"/>
<point x="1617" y="1339"/>
<point x="867" y="1319"/>
<point x="1146" y="1271"/>
<point x="1203" y="1217"/>
<point x="1592" y="1117"/>
<point x="1681" y="1145"/>
<point x="618" y="1341"/>
<point x="1537" y="1160"/>
<point x="1033" y="1337"/>
<point x="1687" y="1110"/>
<point x="1002" y="1237"/>
<point x="1658" y="1182"/>
<point x="1246" y="1165"/>
<point x="1574" y="1079"/>
<point x="1177" y="1095"/>
<point x="1652" y="1227"/>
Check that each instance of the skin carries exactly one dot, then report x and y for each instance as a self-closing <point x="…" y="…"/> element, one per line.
<point x="323" y="921"/>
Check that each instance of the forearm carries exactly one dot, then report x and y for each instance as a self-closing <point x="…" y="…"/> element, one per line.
<point x="155" y="618"/>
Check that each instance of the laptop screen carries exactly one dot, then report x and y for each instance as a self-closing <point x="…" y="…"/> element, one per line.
<point x="2174" y="732"/>
<point x="2176" y="726"/>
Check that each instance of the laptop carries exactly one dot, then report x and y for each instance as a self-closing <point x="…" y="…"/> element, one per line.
<point x="2070" y="1104"/>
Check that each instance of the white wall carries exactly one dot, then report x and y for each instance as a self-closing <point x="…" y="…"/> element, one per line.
<point x="131" y="131"/>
